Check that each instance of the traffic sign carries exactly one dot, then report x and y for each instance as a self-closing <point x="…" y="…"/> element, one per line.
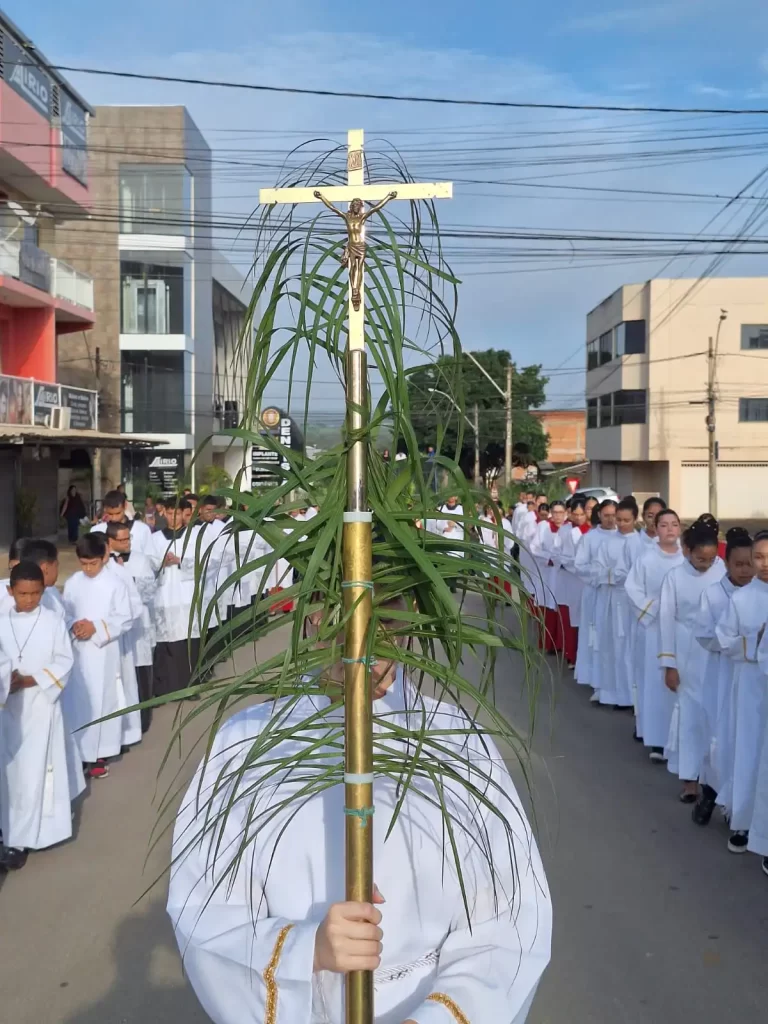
<point x="573" y="483"/>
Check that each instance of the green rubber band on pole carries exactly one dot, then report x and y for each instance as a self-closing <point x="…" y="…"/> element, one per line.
<point x="361" y="813"/>
<point x="365" y="584"/>
<point x="360" y="661"/>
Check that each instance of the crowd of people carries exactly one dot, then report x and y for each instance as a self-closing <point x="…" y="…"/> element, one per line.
<point x="669" y="624"/>
<point x="127" y="628"/>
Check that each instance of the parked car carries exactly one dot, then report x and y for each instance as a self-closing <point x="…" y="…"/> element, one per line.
<point x="601" y="493"/>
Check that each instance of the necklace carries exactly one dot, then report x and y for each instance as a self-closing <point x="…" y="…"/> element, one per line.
<point x="21" y="647"/>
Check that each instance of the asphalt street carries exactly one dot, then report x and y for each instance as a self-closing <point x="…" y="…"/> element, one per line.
<point x="654" y="920"/>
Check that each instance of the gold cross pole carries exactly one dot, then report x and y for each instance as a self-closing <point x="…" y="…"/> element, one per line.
<point x="357" y="532"/>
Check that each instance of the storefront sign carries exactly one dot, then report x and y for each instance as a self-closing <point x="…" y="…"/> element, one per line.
<point x="47" y="398"/>
<point x="34" y="266"/>
<point x="266" y="462"/>
<point x="83" y="406"/>
<point x="26" y="77"/>
<point x="74" y="139"/>
<point x="165" y="471"/>
<point x="15" y="401"/>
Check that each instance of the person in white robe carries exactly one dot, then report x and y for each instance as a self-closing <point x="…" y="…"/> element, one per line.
<point x="174" y="562"/>
<point x="683" y="658"/>
<point x="651" y="508"/>
<point x="269" y="937"/>
<point x="489" y="538"/>
<point x="520" y="511"/>
<point x="450" y="528"/>
<point x="114" y="508"/>
<point x="570" y="587"/>
<point x="717" y="772"/>
<point x="741" y="633"/>
<point x="135" y="644"/>
<point x="758" y="829"/>
<point x="43" y="553"/>
<point x="586" y="567"/>
<point x="38" y="781"/>
<point x="528" y="568"/>
<point x="98" y="613"/>
<point x="612" y="660"/>
<point x="545" y="550"/>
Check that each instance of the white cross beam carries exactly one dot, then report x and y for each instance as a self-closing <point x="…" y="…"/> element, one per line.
<point x="357" y="189"/>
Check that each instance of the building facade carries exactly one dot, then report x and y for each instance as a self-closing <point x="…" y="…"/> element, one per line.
<point x="164" y="352"/>
<point x="48" y="428"/>
<point x="647" y="378"/>
<point x="567" y="432"/>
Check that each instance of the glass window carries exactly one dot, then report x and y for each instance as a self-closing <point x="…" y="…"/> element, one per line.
<point x="630" y="338"/>
<point x="629" y="406"/>
<point x="754" y="336"/>
<point x="153" y="393"/>
<point x="753" y="410"/>
<point x="230" y="356"/>
<point x="591" y="413"/>
<point x="606" y="347"/>
<point x="153" y="199"/>
<point x="152" y="298"/>
<point x="592" y="354"/>
<point x="605" y="418"/>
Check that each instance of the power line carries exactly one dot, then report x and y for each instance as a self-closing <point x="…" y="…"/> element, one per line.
<point x="392" y="98"/>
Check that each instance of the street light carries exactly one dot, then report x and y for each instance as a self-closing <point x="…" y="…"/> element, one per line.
<point x="507" y="396"/>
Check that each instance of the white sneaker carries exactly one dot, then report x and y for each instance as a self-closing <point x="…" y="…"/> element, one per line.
<point x="657" y="756"/>
<point x="595" y="698"/>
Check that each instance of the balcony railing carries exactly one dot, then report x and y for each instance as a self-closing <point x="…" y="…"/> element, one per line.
<point x="28" y="402"/>
<point x="34" y="266"/>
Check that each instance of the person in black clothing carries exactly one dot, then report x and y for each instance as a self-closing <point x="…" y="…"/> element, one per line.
<point x="73" y="511"/>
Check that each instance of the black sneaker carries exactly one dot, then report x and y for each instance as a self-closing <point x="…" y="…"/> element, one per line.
<point x="704" y="809"/>
<point x="13" y="858"/>
<point x="764" y="865"/>
<point x="738" y="842"/>
<point x="657" y="755"/>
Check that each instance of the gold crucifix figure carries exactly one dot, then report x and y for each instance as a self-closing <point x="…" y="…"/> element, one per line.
<point x="353" y="256"/>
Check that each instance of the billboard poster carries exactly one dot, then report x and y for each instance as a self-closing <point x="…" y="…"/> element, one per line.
<point x="83" y="406"/>
<point x="166" y="469"/>
<point x="266" y="463"/>
<point x="15" y="401"/>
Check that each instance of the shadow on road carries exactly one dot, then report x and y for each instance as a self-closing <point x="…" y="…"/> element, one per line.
<point x="149" y="987"/>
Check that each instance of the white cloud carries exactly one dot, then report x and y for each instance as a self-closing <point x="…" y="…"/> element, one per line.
<point x="710" y="90"/>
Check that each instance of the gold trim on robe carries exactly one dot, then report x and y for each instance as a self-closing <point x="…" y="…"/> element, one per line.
<point x="662" y="655"/>
<point x="106" y="630"/>
<point x="53" y="677"/>
<point x="643" y="612"/>
<point x="452" y="1007"/>
<point x="270" y="1011"/>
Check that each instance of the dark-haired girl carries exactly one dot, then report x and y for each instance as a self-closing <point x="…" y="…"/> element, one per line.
<point x="717" y="770"/>
<point x="682" y="658"/>
<point x="651" y="508"/>
<point x="653" y="701"/>
<point x="586" y="569"/>
<point x="570" y="587"/>
<point x="545" y="550"/>
<point x="740" y="633"/>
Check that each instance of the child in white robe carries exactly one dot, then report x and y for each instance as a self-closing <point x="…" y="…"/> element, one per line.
<point x="45" y="554"/>
<point x="654" y="703"/>
<point x="587" y="569"/>
<point x="651" y="509"/>
<point x="545" y="550"/>
<point x="758" y="829"/>
<point x="740" y="634"/>
<point x="570" y="587"/>
<point x="682" y="657"/>
<point x="37" y="780"/>
<point x="282" y="903"/>
<point x="717" y="771"/>
<point x="114" y="506"/>
<point x="98" y="612"/>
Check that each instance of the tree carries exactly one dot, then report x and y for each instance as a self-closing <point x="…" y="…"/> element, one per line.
<point x="436" y="421"/>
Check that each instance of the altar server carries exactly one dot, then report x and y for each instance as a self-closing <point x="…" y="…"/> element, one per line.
<point x="570" y="587"/>
<point x="177" y="631"/>
<point x="740" y="634"/>
<point x="38" y="781"/>
<point x="115" y="511"/>
<point x="651" y="509"/>
<point x="269" y="937"/>
<point x="717" y="772"/>
<point x="585" y="566"/>
<point x="653" y="701"/>
<point x="758" y="830"/>
<point x="44" y="554"/>
<point x="682" y="657"/>
<point x="545" y="550"/>
<point x="98" y="613"/>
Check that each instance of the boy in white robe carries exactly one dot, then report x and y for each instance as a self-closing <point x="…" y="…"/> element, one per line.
<point x="173" y="558"/>
<point x="269" y="936"/>
<point x="586" y="568"/>
<point x="119" y="543"/>
<point x="46" y="555"/>
<point x="114" y="506"/>
<point x="37" y="780"/>
<point x="97" y="608"/>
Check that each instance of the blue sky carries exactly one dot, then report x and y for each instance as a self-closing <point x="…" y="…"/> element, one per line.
<point x="682" y="53"/>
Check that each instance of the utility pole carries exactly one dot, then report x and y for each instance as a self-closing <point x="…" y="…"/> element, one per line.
<point x="711" y="422"/>
<point x="477" y="446"/>
<point x="508" y="438"/>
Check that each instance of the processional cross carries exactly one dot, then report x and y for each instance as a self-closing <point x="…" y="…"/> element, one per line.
<point x="357" y="532"/>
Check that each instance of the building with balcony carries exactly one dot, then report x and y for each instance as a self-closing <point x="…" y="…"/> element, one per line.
<point x="165" y="351"/>
<point x="647" y="374"/>
<point x="49" y="429"/>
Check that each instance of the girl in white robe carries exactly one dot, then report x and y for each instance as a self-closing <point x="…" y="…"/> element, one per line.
<point x="740" y="634"/>
<point x="682" y="657"/>
<point x="758" y="829"/>
<point x="651" y="509"/>
<point x="570" y="587"/>
<point x="653" y="701"/>
<point x="528" y="567"/>
<point x="97" y="598"/>
<point x="436" y="966"/>
<point x="38" y="781"/>
<point x="586" y="568"/>
<point x="489" y="538"/>
<point x="717" y="772"/>
<point x="544" y="548"/>
<point x="613" y="670"/>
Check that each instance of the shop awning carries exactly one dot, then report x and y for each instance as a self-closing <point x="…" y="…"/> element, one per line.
<point x="72" y="438"/>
